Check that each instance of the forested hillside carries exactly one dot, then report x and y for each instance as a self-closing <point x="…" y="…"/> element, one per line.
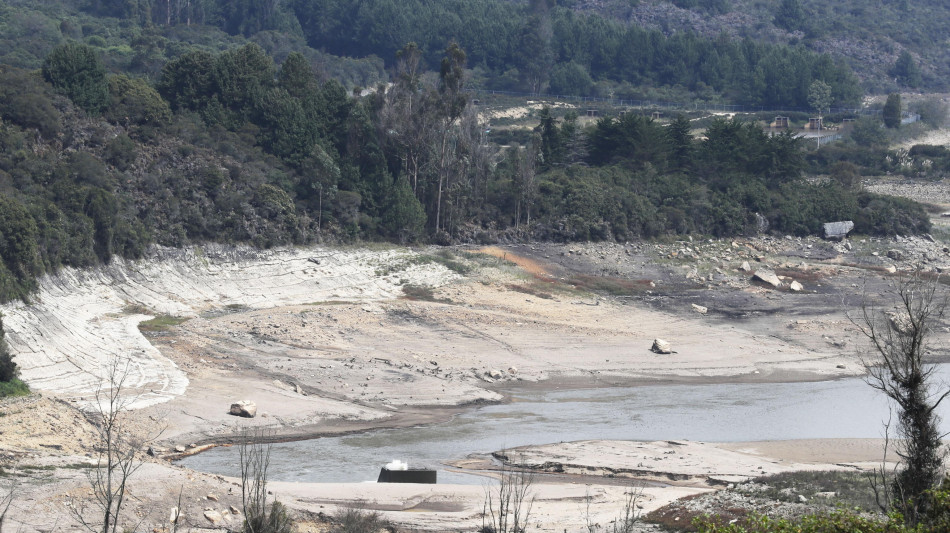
<point x="193" y="121"/>
<point x="890" y="44"/>
<point x="532" y="47"/>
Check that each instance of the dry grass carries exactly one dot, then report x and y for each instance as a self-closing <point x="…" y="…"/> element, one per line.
<point x="532" y="289"/>
<point x="160" y="323"/>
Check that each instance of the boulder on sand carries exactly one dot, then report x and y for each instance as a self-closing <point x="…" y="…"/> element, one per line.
<point x="244" y="408"/>
<point x="661" y="346"/>
<point x="767" y="276"/>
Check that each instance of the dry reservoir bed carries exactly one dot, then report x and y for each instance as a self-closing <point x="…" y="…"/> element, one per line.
<point x="325" y="341"/>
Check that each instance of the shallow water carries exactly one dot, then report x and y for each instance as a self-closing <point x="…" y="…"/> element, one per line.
<point x="846" y="408"/>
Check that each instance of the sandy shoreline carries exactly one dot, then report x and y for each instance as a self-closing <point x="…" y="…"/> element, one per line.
<point x="337" y="351"/>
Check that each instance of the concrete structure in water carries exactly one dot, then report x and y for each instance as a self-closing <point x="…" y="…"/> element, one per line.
<point x="399" y="472"/>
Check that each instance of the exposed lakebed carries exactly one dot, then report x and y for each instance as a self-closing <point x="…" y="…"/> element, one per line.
<point x="722" y="412"/>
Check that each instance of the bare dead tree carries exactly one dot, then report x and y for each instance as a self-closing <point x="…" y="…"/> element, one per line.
<point x="258" y="517"/>
<point x="508" y="505"/>
<point x="630" y="514"/>
<point x="626" y="521"/>
<point x="119" y="451"/>
<point x="589" y="523"/>
<point x="899" y="340"/>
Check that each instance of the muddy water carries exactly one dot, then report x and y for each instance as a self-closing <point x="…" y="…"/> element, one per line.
<point x="721" y="412"/>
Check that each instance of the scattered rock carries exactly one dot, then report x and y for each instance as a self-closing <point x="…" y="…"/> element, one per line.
<point x="661" y="346"/>
<point x="795" y="286"/>
<point x="244" y="408"/>
<point x="767" y="276"/>
<point x="212" y="497"/>
<point x="891" y="269"/>
<point x="802" y="499"/>
<point x="840" y="367"/>
<point x="896" y="255"/>
<point x="495" y="374"/>
<point x="838" y="230"/>
<point x="699" y="309"/>
<point x="215" y="518"/>
<point x="180" y="449"/>
<point x="744" y="267"/>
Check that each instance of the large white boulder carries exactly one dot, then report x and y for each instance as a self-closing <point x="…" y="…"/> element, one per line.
<point x="661" y="346"/>
<point x="244" y="408"/>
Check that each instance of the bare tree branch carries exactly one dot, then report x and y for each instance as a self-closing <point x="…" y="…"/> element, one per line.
<point x="119" y="451"/>
<point x="896" y="366"/>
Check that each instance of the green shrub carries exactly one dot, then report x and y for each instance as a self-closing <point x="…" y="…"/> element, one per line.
<point x="13" y="388"/>
<point x="839" y="521"/>
<point x="120" y="152"/>
<point x="77" y="71"/>
<point x="8" y="368"/>
<point x="135" y="101"/>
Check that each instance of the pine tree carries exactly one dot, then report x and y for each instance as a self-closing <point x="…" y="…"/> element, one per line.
<point x="892" y="111"/>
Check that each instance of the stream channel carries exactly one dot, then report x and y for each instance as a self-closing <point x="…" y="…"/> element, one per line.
<point x="722" y="412"/>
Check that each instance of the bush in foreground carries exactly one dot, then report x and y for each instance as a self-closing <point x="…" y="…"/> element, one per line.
<point x="13" y="388"/>
<point x="937" y="520"/>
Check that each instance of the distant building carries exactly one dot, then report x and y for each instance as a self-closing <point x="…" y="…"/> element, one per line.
<point x="779" y="122"/>
<point x="814" y="124"/>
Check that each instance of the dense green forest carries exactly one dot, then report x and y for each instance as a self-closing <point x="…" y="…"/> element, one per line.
<point x="535" y="47"/>
<point x="188" y="122"/>
<point x="891" y="44"/>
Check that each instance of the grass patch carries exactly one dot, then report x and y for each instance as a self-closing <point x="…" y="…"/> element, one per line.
<point x="13" y="388"/>
<point x="422" y="294"/>
<point x="136" y="309"/>
<point x="458" y="263"/>
<point x="528" y="289"/>
<point x="451" y="261"/>
<point x="418" y="293"/>
<point x="160" y="323"/>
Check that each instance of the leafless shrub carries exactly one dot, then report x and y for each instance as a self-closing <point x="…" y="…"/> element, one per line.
<point x="119" y="451"/>
<point x="507" y="506"/>
<point x="258" y="516"/>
